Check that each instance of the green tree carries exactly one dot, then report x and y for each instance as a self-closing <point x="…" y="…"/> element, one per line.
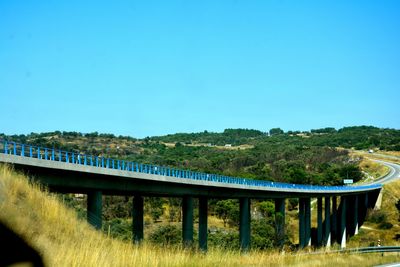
<point x="276" y="131"/>
<point x="267" y="209"/>
<point x="228" y="211"/>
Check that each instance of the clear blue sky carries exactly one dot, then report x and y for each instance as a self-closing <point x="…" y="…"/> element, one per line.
<point x="144" y="68"/>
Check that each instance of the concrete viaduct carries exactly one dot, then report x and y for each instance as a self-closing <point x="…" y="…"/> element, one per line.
<point x="341" y="210"/>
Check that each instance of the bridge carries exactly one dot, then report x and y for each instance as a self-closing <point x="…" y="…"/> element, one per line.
<point x="341" y="210"/>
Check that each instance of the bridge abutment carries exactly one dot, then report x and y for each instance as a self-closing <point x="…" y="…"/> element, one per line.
<point x="94" y="208"/>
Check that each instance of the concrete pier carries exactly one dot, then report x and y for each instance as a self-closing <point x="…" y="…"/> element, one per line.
<point x="244" y="226"/>
<point x="94" y="208"/>
<point x="302" y="223"/>
<point x="343" y="211"/>
<point x="187" y="221"/>
<point x="334" y="226"/>
<point x="307" y="208"/>
<point x="327" y="232"/>
<point x="203" y="221"/>
<point x="319" y="221"/>
<point x="137" y="219"/>
<point x="280" y="221"/>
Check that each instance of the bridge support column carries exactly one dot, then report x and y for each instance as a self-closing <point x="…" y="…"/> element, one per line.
<point x="94" y="208"/>
<point x="356" y="216"/>
<point x="352" y="215"/>
<point x="187" y="221"/>
<point x="244" y="226"/>
<point x="327" y="234"/>
<point x="363" y="207"/>
<point x="203" y="221"/>
<point x="334" y="226"/>
<point x="308" y="221"/>
<point x="137" y="219"/>
<point x="280" y="221"/>
<point x="302" y="223"/>
<point x="343" y="211"/>
<point x="319" y="221"/>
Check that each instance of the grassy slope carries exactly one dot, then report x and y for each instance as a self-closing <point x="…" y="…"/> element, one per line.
<point x="65" y="241"/>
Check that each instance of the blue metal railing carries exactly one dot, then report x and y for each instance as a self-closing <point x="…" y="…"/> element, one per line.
<point x="53" y="154"/>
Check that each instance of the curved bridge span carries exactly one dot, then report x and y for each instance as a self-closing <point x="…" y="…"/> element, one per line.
<point x="344" y="207"/>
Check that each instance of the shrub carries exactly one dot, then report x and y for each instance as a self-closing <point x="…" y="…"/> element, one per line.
<point x="166" y="235"/>
<point x="385" y="225"/>
<point x="224" y="239"/>
<point x="376" y="216"/>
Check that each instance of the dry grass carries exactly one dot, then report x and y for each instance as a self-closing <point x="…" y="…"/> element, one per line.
<point x="63" y="240"/>
<point x="374" y="169"/>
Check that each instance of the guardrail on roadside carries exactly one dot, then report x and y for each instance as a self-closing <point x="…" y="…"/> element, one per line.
<point x="375" y="249"/>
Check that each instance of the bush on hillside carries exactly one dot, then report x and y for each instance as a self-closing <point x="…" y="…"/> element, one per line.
<point x="166" y="235"/>
<point x="376" y="216"/>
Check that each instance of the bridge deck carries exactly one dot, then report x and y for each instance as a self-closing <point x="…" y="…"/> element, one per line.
<point x="67" y="171"/>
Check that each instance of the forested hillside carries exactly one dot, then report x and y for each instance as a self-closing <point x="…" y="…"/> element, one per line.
<point x="313" y="157"/>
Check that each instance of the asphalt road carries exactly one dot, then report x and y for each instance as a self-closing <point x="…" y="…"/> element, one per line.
<point x="393" y="175"/>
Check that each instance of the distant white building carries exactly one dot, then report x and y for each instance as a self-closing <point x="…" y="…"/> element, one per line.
<point x="228" y="145"/>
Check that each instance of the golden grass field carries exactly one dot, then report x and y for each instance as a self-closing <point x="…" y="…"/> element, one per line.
<point x="63" y="240"/>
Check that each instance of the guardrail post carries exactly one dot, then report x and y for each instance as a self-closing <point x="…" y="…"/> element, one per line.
<point x="94" y="208"/>
<point x="280" y="221"/>
<point x="327" y="235"/>
<point x="319" y="221"/>
<point x="45" y="154"/>
<point x="244" y="226"/>
<point x="53" y="154"/>
<point x="203" y="223"/>
<point x="23" y="150"/>
<point x="187" y="221"/>
<point x="137" y="219"/>
<point x="15" y="148"/>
